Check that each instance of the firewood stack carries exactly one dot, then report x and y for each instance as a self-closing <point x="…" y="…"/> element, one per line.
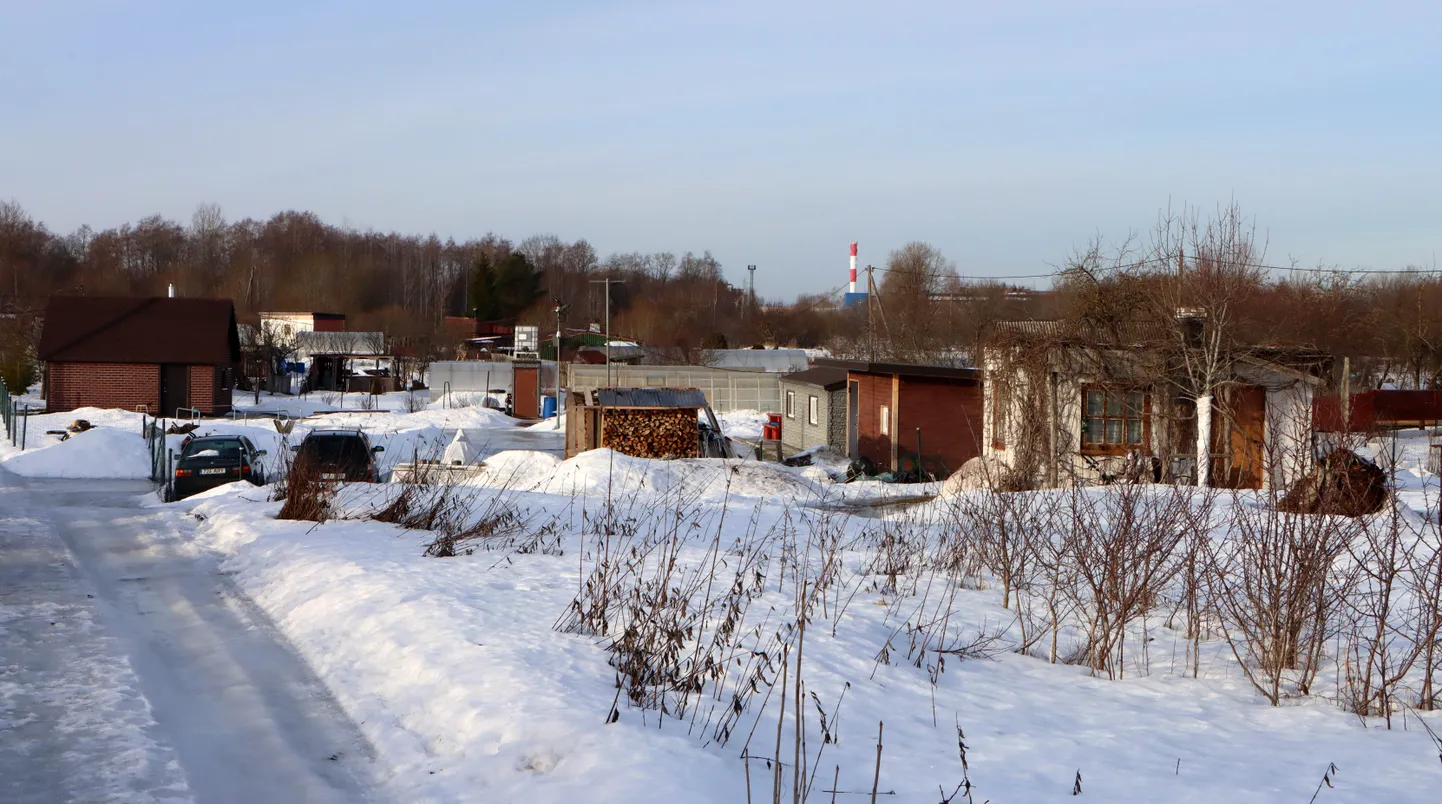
<point x="651" y="432"/>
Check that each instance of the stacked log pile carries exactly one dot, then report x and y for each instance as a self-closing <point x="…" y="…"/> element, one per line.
<point x="651" y="432"/>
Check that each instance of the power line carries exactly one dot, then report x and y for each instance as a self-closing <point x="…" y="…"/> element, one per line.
<point x="1167" y="261"/>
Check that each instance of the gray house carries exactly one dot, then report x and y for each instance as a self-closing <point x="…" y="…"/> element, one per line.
<point x="813" y="410"/>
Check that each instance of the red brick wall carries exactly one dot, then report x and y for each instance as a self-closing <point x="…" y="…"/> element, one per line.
<point x="875" y="391"/>
<point x="102" y="385"/>
<point x="127" y="385"/>
<point x="202" y="388"/>
<point x="949" y="413"/>
<point x="328" y="324"/>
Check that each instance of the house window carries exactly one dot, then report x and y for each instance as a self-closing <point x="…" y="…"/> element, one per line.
<point x="1113" y="418"/>
<point x="790" y="404"/>
<point x="1000" y="402"/>
<point x="813" y="409"/>
<point x="885" y="420"/>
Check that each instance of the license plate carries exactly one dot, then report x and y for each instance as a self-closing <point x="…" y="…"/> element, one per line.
<point x="212" y="471"/>
<point x="332" y="476"/>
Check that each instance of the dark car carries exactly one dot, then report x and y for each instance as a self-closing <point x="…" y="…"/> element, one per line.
<point x="212" y="461"/>
<point x="338" y="455"/>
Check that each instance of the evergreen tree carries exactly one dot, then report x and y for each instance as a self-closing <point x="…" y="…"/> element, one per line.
<point x="483" y="302"/>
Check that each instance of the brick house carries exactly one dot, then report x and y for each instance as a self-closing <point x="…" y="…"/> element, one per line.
<point x="156" y="354"/>
<point x="894" y="408"/>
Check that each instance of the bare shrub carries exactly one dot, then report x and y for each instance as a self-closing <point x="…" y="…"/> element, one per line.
<point x="1123" y="547"/>
<point x="1276" y="594"/>
<point x="461" y="534"/>
<point x="306" y="496"/>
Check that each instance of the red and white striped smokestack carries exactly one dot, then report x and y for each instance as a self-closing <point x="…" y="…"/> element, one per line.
<point x="853" y="266"/>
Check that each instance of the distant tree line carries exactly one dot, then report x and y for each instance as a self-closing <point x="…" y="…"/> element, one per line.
<point x="921" y="310"/>
<point x="401" y="284"/>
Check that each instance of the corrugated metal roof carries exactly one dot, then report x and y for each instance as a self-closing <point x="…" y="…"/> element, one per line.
<point x="1121" y="332"/>
<point x="340" y="343"/>
<point x="101" y="329"/>
<point x="776" y="360"/>
<point x="651" y="397"/>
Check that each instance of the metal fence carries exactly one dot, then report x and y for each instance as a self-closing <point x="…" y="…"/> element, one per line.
<point x="162" y="459"/>
<point x="16" y="418"/>
<point x="725" y="390"/>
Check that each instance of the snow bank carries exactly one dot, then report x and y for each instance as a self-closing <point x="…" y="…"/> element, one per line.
<point x="742" y="424"/>
<point x="455" y="674"/>
<point x="104" y="452"/>
<point x="602" y="471"/>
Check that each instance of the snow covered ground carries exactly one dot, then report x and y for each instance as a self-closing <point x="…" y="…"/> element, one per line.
<point x="488" y="676"/>
<point x="459" y="677"/>
<point x="116" y="449"/>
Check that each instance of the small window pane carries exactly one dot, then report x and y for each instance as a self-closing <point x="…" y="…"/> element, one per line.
<point x="1114" y="403"/>
<point x="1114" y="431"/>
<point x="1093" y="434"/>
<point x="1135" y="403"/>
<point x="1134" y="431"/>
<point x="1094" y="402"/>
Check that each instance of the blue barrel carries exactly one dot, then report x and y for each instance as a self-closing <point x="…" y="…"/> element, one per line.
<point x="548" y="407"/>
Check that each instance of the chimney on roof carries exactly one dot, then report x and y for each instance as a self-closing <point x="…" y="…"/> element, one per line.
<point x="1193" y="321"/>
<point x="172" y="290"/>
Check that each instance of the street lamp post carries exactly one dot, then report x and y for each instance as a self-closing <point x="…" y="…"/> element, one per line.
<point x="559" y="310"/>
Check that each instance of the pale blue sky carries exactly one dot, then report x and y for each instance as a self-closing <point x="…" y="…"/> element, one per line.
<point x="769" y="133"/>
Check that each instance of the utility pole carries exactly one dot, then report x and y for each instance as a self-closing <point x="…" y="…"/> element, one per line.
<point x="608" y="282"/>
<point x="751" y="295"/>
<point x="870" y="328"/>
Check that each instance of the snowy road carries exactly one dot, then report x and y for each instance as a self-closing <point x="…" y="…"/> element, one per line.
<point x="131" y="670"/>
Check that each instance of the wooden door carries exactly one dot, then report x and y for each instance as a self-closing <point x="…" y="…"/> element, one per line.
<point x="1243" y="420"/>
<point x="526" y="392"/>
<point x="174" y="388"/>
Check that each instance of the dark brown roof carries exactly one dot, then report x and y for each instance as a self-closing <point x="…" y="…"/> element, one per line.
<point x="651" y="397"/>
<point x="828" y="378"/>
<point x="100" y="329"/>
<point x="903" y="369"/>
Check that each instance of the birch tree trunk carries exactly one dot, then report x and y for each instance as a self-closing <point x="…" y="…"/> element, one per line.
<point x="1204" y="440"/>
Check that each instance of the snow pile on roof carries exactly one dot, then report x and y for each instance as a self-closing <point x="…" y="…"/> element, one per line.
<point x="104" y="452"/>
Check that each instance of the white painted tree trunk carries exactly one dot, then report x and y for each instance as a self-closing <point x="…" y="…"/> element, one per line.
<point x="1204" y="440"/>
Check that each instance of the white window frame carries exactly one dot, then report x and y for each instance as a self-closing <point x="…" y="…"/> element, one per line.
<point x="813" y="410"/>
<point x="790" y="404"/>
<point x="886" y="420"/>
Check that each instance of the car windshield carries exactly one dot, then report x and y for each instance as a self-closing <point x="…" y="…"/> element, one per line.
<point x="212" y="449"/>
<point x="335" y="448"/>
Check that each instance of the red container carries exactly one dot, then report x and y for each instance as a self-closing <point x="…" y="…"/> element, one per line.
<point x="771" y="432"/>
